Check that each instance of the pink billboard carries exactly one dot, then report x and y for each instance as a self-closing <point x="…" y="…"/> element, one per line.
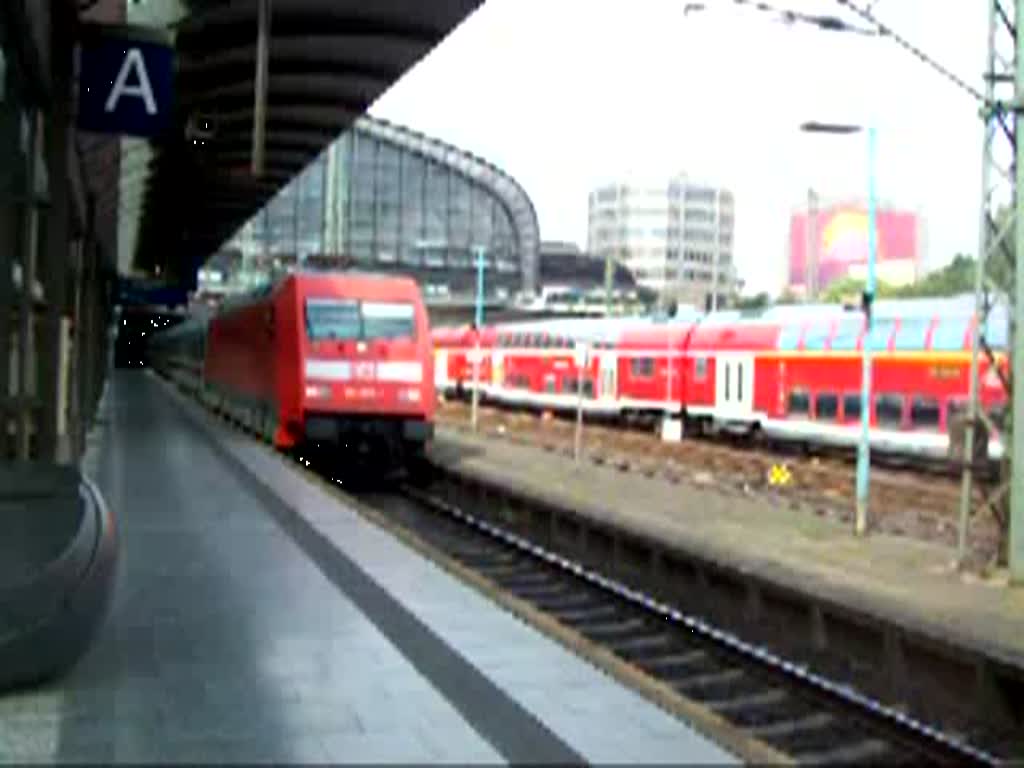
<point x="842" y="241"/>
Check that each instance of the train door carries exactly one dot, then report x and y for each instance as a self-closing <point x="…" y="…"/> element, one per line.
<point x="497" y="370"/>
<point x="608" y="370"/>
<point x="441" y="369"/>
<point x="734" y="386"/>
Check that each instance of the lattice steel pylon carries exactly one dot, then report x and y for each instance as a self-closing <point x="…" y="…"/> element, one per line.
<point x="998" y="242"/>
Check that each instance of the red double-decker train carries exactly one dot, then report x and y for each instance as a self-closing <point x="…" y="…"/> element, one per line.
<point x="333" y="359"/>
<point x="791" y="373"/>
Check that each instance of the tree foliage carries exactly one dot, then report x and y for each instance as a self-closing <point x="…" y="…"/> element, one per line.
<point x="955" y="278"/>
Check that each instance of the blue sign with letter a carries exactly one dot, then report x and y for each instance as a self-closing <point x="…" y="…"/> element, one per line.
<point x="126" y="86"/>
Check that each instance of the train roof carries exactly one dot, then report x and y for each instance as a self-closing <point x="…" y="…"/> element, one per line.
<point x="582" y="329"/>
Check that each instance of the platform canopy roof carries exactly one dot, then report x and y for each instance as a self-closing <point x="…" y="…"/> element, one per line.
<point x="329" y="60"/>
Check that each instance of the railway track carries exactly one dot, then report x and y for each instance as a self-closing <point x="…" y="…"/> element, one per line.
<point x="761" y="705"/>
<point x="903" y="501"/>
<point x="756" y="703"/>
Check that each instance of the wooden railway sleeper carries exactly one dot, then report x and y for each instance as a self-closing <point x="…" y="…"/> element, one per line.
<point x="497" y="571"/>
<point x="767" y="698"/>
<point x="633" y="647"/>
<point x="572" y="601"/>
<point x="676" y="662"/>
<point x="523" y="579"/>
<point x="583" y="615"/>
<point x="609" y="630"/>
<point x="694" y="682"/>
<point x="816" y="721"/>
<point x="537" y="589"/>
<point x="859" y="752"/>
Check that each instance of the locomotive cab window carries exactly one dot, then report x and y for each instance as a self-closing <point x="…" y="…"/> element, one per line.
<point x="333" y="319"/>
<point x="924" y="412"/>
<point x="826" y="406"/>
<point x="349" y="319"/>
<point x="889" y="410"/>
<point x="389" y="320"/>
<point x="799" y="403"/>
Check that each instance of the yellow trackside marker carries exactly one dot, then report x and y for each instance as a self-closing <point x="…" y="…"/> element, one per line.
<point x="779" y="475"/>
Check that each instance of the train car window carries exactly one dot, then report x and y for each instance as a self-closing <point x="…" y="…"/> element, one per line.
<point x="912" y="333"/>
<point x="847" y="334"/>
<point x="881" y="332"/>
<point x="700" y="369"/>
<point x="949" y="334"/>
<point x="739" y="382"/>
<point x="799" y="403"/>
<point x="816" y="337"/>
<point x="588" y="387"/>
<point x="851" y="407"/>
<point x="889" y="410"/>
<point x="727" y="377"/>
<point x="641" y="367"/>
<point x="826" y="406"/>
<point x="924" y="412"/>
<point x="333" y="319"/>
<point x="997" y="329"/>
<point x="389" y="320"/>
<point x="789" y="337"/>
<point x="550" y="383"/>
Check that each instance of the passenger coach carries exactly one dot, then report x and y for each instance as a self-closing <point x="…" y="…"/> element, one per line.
<point x="792" y="373"/>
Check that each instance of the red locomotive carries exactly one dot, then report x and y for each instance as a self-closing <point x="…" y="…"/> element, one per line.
<point x="790" y="373"/>
<point x="333" y="359"/>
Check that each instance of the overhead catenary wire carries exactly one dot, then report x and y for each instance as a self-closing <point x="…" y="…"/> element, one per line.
<point x="833" y="23"/>
<point x="883" y="29"/>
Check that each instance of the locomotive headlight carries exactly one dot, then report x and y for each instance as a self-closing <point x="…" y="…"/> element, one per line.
<point x="321" y="391"/>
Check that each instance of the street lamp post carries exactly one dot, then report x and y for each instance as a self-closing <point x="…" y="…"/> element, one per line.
<point x="864" y="444"/>
<point x="478" y="322"/>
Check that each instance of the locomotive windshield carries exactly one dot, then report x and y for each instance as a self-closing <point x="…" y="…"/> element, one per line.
<point x="348" y="320"/>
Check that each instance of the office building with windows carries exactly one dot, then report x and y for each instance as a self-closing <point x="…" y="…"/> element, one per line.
<point x="676" y="237"/>
<point x="387" y="199"/>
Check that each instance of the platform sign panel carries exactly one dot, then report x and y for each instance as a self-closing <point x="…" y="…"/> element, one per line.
<point x="126" y="82"/>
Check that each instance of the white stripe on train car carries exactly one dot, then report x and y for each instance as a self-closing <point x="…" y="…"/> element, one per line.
<point x="407" y="372"/>
<point x="919" y="443"/>
<point x="328" y="370"/>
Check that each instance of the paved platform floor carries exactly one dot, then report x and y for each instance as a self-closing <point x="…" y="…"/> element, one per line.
<point x="257" y="618"/>
<point x="906" y="581"/>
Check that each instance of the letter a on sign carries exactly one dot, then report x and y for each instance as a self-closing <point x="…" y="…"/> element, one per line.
<point x="133" y="64"/>
<point x="125" y="82"/>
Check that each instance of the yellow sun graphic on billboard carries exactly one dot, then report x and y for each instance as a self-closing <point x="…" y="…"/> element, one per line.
<point x="844" y="238"/>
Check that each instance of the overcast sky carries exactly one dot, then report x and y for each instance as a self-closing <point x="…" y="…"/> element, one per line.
<point x="566" y="94"/>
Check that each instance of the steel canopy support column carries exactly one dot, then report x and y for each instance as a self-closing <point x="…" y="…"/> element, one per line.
<point x="51" y="391"/>
<point x="1016" y="532"/>
<point x="259" y="119"/>
<point x="26" y="331"/>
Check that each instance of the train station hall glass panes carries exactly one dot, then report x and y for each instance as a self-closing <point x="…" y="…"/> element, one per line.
<point x="393" y="200"/>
